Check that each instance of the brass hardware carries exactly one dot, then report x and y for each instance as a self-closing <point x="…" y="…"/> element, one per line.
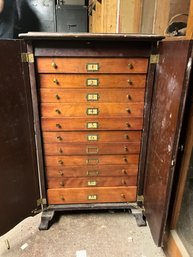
<point x="128" y="110"/>
<point x="61" y="173"/>
<point x="92" y="82"/>
<point x="60" y="150"/>
<point x="59" y="138"/>
<point x="56" y="81"/>
<point x="60" y="162"/>
<point x="62" y="198"/>
<point x="92" y="149"/>
<point x="126" y="136"/>
<point x="124" y="171"/>
<point x="41" y="201"/>
<point x="92" y="67"/>
<point x="92" y="173"/>
<point x="154" y="58"/>
<point x="58" y="126"/>
<point x="129" y="97"/>
<point x="92" y="125"/>
<point x="92" y="111"/>
<point x="27" y="57"/>
<point x="54" y="65"/>
<point x="130" y="66"/>
<point x="126" y="148"/>
<point x="57" y="97"/>
<point x="140" y="198"/>
<point x="62" y="183"/>
<point x="123" y="182"/>
<point x="92" y="137"/>
<point x="92" y="161"/>
<point x="92" y="197"/>
<point x="128" y="124"/>
<point x="125" y="159"/>
<point x="92" y="183"/>
<point x="58" y="111"/>
<point x="129" y="82"/>
<point x="92" y="97"/>
<point x="123" y="196"/>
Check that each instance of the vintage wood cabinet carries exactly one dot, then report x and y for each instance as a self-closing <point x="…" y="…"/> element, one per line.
<point x="93" y="123"/>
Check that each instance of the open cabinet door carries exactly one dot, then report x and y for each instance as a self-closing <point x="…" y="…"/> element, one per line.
<point x="171" y="83"/>
<point x="19" y="188"/>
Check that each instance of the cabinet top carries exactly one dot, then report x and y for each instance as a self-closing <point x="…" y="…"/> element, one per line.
<point x="90" y="36"/>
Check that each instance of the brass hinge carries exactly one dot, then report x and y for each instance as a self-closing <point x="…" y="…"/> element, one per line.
<point x="140" y="198"/>
<point x="41" y="201"/>
<point x="27" y="57"/>
<point x="154" y="58"/>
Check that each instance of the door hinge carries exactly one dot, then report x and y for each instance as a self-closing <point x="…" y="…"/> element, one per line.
<point x="27" y="57"/>
<point x="140" y="198"/>
<point x="41" y="201"/>
<point x="154" y="58"/>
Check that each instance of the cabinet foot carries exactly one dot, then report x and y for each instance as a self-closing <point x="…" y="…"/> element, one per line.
<point x="47" y="216"/>
<point x="140" y="218"/>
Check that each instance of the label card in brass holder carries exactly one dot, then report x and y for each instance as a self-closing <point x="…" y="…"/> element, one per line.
<point x="92" y="137"/>
<point x="92" y="125"/>
<point x="92" y="67"/>
<point x="94" y="82"/>
<point x="92" y="197"/>
<point x="92" y="150"/>
<point x="92" y="183"/>
<point x="92" y="111"/>
<point x="92" y="97"/>
<point x="92" y="173"/>
<point x="92" y="161"/>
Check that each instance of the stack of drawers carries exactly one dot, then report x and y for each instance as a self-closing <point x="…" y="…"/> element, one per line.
<point x="92" y="121"/>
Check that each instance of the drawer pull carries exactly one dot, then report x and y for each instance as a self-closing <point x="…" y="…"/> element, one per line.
<point x="57" y="97"/>
<point x="128" y="124"/>
<point x="125" y="159"/>
<point x="60" y="162"/>
<point x="130" y="66"/>
<point x="92" y="197"/>
<point x="60" y="150"/>
<point x="61" y="173"/>
<point x="92" y="173"/>
<point x="127" y="136"/>
<point x="62" y="198"/>
<point x="56" y="81"/>
<point x="126" y="148"/>
<point x="123" y="196"/>
<point x="92" y="150"/>
<point x="124" y="171"/>
<point x="123" y="182"/>
<point x="92" y="161"/>
<point x="58" y="111"/>
<point x="58" y="126"/>
<point x="62" y="184"/>
<point x="129" y="97"/>
<point x="54" y="65"/>
<point x="128" y="110"/>
<point x="92" y="82"/>
<point x="129" y="82"/>
<point x="92" y="183"/>
<point x="92" y="67"/>
<point x="92" y="137"/>
<point x="59" y="138"/>
<point x="92" y="111"/>
<point x="92" y="125"/>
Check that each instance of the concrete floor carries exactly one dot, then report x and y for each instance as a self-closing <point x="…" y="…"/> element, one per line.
<point x="101" y="234"/>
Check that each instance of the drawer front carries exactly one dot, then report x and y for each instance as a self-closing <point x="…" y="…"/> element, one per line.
<point x="92" y="137"/>
<point x="94" y="81"/>
<point x="129" y="170"/>
<point x="91" y="195"/>
<point x="90" y="149"/>
<point x="92" y="65"/>
<point x="91" y="182"/>
<point x="92" y="95"/>
<point x="91" y="109"/>
<point x="62" y="161"/>
<point x="92" y="124"/>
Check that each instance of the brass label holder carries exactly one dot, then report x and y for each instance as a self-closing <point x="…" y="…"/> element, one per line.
<point x="92" y="111"/>
<point x="92" y="97"/>
<point x="92" y="161"/>
<point x="92" y="67"/>
<point x="92" y="197"/>
<point x="92" y="150"/>
<point x="92" y="137"/>
<point x="92" y="125"/>
<point x="92" y="173"/>
<point x="94" y="82"/>
<point x="92" y="183"/>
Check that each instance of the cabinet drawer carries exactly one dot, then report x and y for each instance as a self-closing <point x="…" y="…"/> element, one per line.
<point x="92" y="171"/>
<point x="90" y="149"/>
<point x="91" y="124"/>
<point x="62" y="161"/>
<point x="92" y="195"/>
<point x="91" y="109"/>
<point x="91" y="81"/>
<point x="92" y="137"/>
<point x="91" y="65"/>
<point x="91" y="95"/>
<point x="91" y="182"/>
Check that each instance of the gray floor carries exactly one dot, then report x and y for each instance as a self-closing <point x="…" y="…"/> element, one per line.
<point x="81" y="235"/>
